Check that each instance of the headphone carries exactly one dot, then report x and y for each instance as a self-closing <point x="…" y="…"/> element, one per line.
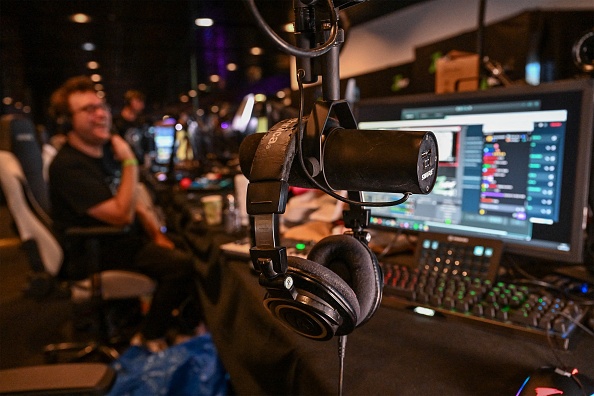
<point x="64" y="123"/>
<point x="338" y="287"/>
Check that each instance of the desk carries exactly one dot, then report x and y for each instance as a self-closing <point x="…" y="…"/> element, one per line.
<point x="395" y="353"/>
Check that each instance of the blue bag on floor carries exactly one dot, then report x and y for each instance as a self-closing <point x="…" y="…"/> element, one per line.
<point x="190" y="368"/>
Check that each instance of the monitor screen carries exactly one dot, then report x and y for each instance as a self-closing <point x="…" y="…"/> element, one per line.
<point x="514" y="165"/>
<point x="164" y="137"/>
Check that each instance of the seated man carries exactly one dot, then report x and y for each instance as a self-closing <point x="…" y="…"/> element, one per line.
<point x="94" y="181"/>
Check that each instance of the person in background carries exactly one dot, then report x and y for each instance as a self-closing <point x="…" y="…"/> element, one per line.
<point x="131" y="124"/>
<point x="94" y="181"/>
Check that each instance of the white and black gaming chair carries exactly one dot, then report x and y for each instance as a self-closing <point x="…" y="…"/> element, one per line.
<point x="46" y="256"/>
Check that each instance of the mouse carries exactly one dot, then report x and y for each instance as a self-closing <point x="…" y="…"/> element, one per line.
<point x="549" y="381"/>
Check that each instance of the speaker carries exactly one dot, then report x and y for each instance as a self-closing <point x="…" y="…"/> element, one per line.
<point x="338" y="287"/>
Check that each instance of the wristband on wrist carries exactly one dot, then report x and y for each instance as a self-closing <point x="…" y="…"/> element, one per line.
<point x="129" y="162"/>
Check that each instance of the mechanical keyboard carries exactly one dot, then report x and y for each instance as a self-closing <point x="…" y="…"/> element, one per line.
<point x="457" y="280"/>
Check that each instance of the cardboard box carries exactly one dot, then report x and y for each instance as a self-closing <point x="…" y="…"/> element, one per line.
<point x="457" y="72"/>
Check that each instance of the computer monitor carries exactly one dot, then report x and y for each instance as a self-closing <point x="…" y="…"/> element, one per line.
<point x="164" y="137"/>
<point x="514" y="165"/>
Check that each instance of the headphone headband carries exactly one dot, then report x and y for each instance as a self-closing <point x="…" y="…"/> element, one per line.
<point x="267" y="196"/>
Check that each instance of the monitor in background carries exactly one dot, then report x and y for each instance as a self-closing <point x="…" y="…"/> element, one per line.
<point x="249" y="117"/>
<point x="164" y="138"/>
<point x="514" y="165"/>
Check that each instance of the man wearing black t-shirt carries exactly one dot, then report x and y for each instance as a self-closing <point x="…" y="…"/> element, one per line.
<point x="94" y="181"/>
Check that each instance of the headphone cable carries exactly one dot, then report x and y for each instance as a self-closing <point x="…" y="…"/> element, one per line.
<point x="341" y="352"/>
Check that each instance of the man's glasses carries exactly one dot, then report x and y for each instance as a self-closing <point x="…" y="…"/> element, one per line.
<point x="92" y="108"/>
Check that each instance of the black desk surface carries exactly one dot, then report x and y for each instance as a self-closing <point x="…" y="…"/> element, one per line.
<point x="395" y="353"/>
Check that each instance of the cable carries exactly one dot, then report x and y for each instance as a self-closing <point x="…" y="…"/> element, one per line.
<point x="531" y="280"/>
<point x="341" y="352"/>
<point x="327" y="190"/>
<point x="577" y="323"/>
<point x="291" y="49"/>
<point x="387" y="248"/>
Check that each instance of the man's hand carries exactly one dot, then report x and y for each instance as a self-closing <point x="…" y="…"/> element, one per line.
<point x="121" y="149"/>
<point x="162" y="240"/>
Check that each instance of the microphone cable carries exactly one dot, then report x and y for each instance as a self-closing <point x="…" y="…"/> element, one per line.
<point x="291" y="49"/>
<point x="328" y="190"/>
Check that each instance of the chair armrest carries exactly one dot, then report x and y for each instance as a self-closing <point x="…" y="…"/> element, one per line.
<point x="96" y="231"/>
<point x="73" y="378"/>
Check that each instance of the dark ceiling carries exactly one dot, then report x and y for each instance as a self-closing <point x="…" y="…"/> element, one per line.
<point x="151" y="46"/>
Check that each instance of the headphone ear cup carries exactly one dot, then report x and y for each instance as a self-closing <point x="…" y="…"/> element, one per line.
<point x="357" y="265"/>
<point x="325" y="304"/>
<point x="64" y="124"/>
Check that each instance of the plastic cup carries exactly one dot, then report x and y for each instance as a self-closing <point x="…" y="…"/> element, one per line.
<point x="213" y="209"/>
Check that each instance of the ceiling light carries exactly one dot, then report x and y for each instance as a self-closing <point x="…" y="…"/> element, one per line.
<point x="260" y="98"/>
<point x="96" y="77"/>
<point x="80" y="18"/>
<point x="98" y="87"/>
<point x="192" y="93"/>
<point x="184" y="98"/>
<point x="101" y="94"/>
<point x="88" y="47"/>
<point x="202" y="87"/>
<point x="231" y="66"/>
<point x="215" y="78"/>
<point x="7" y="100"/>
<point x="204" y="22"/>
<point x="93" y="65"/>
<point x="256" y="51"/>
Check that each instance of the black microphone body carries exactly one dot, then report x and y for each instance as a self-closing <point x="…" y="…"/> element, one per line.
<point x="364" y="160"/>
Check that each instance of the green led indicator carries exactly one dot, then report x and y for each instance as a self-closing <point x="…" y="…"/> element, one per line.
<point x="300" y="246"/>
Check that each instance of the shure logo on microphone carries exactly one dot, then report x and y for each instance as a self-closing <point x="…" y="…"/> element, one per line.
<point x="427" y="174"/>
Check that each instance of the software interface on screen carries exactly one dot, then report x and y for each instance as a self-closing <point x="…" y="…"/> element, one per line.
<point x="501" y="171"/>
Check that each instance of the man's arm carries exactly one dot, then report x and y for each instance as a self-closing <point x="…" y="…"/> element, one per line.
<point x="119" y="210"/>
<point x="148" y="218"/>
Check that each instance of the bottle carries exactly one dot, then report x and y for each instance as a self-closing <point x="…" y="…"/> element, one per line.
<point x="232" y="216"/>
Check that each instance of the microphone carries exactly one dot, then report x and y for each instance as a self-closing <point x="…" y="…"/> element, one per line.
<point x="391" y="161"/>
